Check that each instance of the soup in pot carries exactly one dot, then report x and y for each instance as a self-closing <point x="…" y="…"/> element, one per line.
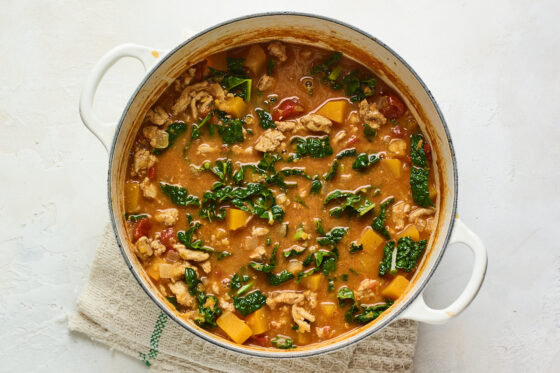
<point x="280" y="195"/>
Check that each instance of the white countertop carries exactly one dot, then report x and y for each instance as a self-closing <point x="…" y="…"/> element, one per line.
<point x="492" y="66"/>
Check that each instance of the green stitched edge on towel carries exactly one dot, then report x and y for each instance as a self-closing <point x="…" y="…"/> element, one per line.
<point x="154" y="339"/>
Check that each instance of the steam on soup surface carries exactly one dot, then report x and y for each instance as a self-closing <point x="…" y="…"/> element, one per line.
<point x="280" y="195"/>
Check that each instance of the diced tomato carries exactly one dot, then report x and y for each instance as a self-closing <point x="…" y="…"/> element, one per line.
<point x="352" y="140"/>
<point x="261" y="340"/>
<point x="287" y="108"/>
<point x="399" y="131"/>
<point x="167" y="237"/>
<point x="428" y="151"/>
<point x="141" y="228"/>
<point x="152" y="173"/>
<point x="392" y="106"/>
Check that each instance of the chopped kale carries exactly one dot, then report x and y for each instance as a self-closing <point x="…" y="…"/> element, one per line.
<point x="250" y="303"/>
<point x="282" y="342"/>
<point x="316" y="185"/>
<point x="319" y="226"/>
<point x="223" y="169"/>
<point x="350" y="152"/>
<point x="362" y="315"/>
<point x="254" y="198"/>
<point x="173" y="301"/>
<point x="315" y="147"/>
<point x="404" y="256"/>
<point x="332" y="171"/>
<point x="235" y="79"/>
<point x="134" y="217"/>
<point x="294" y="251"/>
<point x="369" y="132"/>
<point x="231" y="131"/>
<point x="379" y="221"/>
<point x="419" y="186"/>
<point x="332" y="237"/>
<point x="358" y="89"/>
<point x="277" y="279"/>
<point x="270" y="66"/>
<point x="354" y="248"/>
<point x="238" y="86"/>
<point x="237" y="281"/>
<point x="363" y="161"/>
<point x="174" y="130"/>
<point x="344" y="295"/>
<point x="265" y="119"/>
<point x="344" y="277"/>
<point x="223" y="254"/>
<point x="417" y="153"/>
<point x="419" y="172"/>
<point x="352" y="203"/>
<point x="179" y="195"/>
<point x="208" y="307"/>
<point x="186" y="237"/>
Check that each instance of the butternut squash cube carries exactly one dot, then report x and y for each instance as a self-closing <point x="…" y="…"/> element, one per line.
<point x="393" y="165"/>
<point x="370" y="240"/>
<point x="258" y="321"/>
<point x="233" y="105"/>
<point x="255" y="60"/>
<point x="336" y="110"/>
<point x="328" y="309"/>
<point x="217" y="61"/>
<point x="312" y="282"/>
<point x="365" y="263"/>
<point x="131" y="197"/>
<point x="236" y="219"/>
<point x="234" y="327"/>
<point x="410" y="231"/>
<point x="396" y="287"/>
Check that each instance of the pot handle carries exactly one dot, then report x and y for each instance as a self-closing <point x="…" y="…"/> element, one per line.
<point x="418" y="310"/>
<point x="105" y="131"/>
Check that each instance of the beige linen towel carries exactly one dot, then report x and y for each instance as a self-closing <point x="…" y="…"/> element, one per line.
<point x="115" y="311"/>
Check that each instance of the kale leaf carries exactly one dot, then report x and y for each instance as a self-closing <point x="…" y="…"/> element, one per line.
<point x="179" y="195"/>
<point x="417" y="153"/>
<point x="352" y="203"/>
<point x="284" y="343"/>
<point x="186" y="237"/>
<point x="364" y="161"/>
<point x="277" y="279"/>
<point x="265" y="119"/>
<point x="345" y="294"/>
<point x="369" y="132"/>
<point x="404" y="256"/>
<point x="354" y="247"/>
<point x="231" y="131"/>
<point x="350" y="152"/>
<point x="316" y="185"/>
<point x="332" y="171"/>
<point x="358" y="89"/>
<point x="419" y="186"/>
<point x="208" y="307"/>
<point x="419" y="172"/>
<point x="379" y="221"/>
<point x="362" y="315"/>
<point x="315" y="147"/>
<point x="250" y="303"/>
<point x="332" y="237"/>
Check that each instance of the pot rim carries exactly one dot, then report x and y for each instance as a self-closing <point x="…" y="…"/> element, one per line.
<point x="393" y="316"/>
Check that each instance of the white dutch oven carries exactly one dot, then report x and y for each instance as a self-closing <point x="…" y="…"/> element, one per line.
<point x="163" y="67"/>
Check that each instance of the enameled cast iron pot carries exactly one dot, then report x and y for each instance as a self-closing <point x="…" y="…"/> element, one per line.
<point x="163" y="67"/>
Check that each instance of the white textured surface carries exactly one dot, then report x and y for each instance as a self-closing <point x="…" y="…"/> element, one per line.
<point x="492" y="66"/>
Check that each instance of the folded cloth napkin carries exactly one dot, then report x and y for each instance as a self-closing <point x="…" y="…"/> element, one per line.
<point x="115" y="311"/>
